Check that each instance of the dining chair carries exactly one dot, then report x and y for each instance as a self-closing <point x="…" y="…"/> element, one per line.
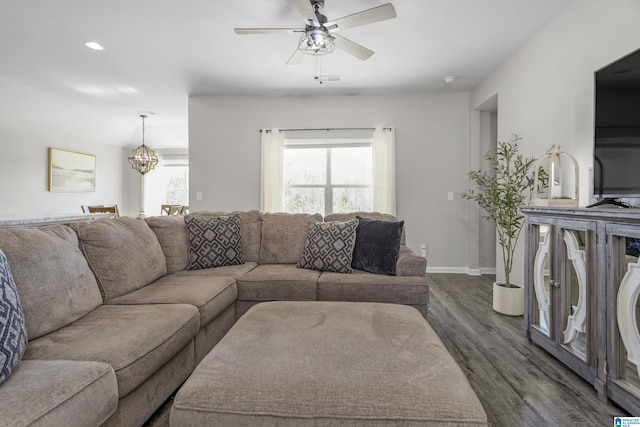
<point x="170" y="209"/>
<point x="113" y="209"/>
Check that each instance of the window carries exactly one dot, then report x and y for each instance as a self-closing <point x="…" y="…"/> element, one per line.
<point x="346" y="171"/>
<point x="327" y="177"/>
<point x="168" y="183"/>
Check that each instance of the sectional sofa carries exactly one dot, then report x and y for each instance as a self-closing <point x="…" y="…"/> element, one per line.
<point x="119" y="311"/>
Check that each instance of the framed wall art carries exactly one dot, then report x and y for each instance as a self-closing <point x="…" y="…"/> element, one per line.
<point x="71" y="172"/>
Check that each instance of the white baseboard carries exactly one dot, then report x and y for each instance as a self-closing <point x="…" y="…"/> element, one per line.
<point x="462" y="270"/>
<point x="453" y="270"/>
<point x="487" y="270"/>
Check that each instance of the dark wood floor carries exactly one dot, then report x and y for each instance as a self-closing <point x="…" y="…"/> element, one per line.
<point x="518" y="383"/>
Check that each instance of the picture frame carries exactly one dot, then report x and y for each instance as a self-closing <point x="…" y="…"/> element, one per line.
<point x="71" y="171"/>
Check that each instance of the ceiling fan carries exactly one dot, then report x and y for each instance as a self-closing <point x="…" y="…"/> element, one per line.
<point x="318" y="37"/>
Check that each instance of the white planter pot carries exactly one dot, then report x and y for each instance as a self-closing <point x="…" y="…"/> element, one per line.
<point x="509" y="301"/>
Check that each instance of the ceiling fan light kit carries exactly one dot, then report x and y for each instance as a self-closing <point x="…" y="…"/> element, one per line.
<point x="318" y="35"/>
<point x="316" y="41"/>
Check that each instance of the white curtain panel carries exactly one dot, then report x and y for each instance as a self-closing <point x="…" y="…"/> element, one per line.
<point x="272" y="150"/>
<point x="384" y="170"/>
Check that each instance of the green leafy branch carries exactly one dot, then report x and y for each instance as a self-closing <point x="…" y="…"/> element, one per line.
<point x="502" y="195"/>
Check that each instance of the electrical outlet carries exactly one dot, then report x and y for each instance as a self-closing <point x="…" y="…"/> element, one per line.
<point x="423" y="250"/>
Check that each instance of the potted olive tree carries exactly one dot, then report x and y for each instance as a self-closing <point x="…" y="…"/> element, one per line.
<point x="500" y="196"/>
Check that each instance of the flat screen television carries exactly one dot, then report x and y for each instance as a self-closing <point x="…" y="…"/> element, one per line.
<point x="616" y="162"/>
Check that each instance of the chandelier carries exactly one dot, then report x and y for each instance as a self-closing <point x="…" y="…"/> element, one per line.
<point x="143" y="159"/>
<point x="316" y="41"/>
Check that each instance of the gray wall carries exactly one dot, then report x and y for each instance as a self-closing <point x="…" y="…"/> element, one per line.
<point x="24" y="171"/>
<point x="545" y="89"/>
<point x="432" y="143"/>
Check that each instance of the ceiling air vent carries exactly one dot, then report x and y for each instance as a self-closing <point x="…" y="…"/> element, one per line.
<point x="328" y="79"/>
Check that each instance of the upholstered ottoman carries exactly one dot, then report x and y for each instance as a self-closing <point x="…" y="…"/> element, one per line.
<point x="328" y="364"/>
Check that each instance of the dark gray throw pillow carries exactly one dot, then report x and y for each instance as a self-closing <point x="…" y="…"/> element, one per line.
<point x="329" y="246"/>
<point x="214" y="241"/>
<point x="377" y="246"/>
<point x="13" y="331"/>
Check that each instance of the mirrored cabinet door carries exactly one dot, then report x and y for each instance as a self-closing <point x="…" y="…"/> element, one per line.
<point x="625" y="252"/>
<point x="542" y="278"/>
<point x="561" y="314"/>
<point x="574" y="293"/>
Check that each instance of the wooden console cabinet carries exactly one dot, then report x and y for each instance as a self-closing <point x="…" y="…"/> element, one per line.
<point x="581" y="298"/>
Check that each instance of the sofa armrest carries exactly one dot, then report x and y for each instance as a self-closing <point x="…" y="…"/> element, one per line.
<point x="410" y="264"/>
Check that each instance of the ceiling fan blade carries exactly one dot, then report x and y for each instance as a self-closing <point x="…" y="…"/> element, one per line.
<point x="268" y="30"/>
<point x="352" y="48"/>
<point x="306" y="10"/>
<point x="369" y="16"/>
<point x="296" y="58"/>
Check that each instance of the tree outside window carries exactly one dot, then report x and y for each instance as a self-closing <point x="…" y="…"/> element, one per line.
<point x="328" y="177"/>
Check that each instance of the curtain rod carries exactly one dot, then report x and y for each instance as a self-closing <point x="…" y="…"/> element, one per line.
<point x="325" y="129"/>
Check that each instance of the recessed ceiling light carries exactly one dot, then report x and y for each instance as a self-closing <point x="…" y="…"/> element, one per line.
<point x="107" y="90"/>
<point x="94" y="45"/>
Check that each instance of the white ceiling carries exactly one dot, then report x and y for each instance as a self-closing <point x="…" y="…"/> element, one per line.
<point x="158" y="53"/>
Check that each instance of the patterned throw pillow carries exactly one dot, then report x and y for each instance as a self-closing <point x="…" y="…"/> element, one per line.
<point x="329" y="246"/>
<point x="214" y="241"/>
<point x="377" y="246"/>
<point x="13" y="332"/>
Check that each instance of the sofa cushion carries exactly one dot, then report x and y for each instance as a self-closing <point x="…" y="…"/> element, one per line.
<point x="250" y="229"/>
<point x="214" y="241"/>
<point x="13" y="332"/>
<point x="136" y="340"/>
<point x="371" y="215"/>
<point x="209" y="293"/>
<point x="139" y="406"/>
<point x="329" y="246"/>
<point x="283" y="237"/>
<point x="59" y="393"/>
<point x="55" y="284"/>
<point x="377" y="245"/>
<point x="123" y="253"/>
<point x="362" y="286"/>
<point x="171" y="233"/>
<point x="233" y="271"/>
<point x="269" y="282"/>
